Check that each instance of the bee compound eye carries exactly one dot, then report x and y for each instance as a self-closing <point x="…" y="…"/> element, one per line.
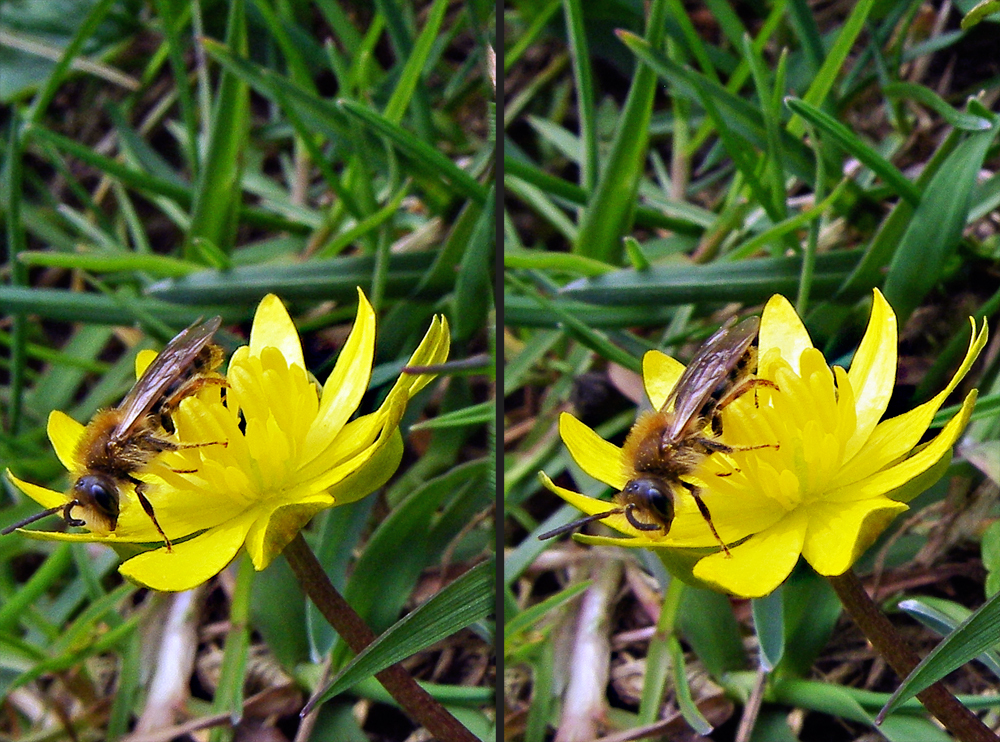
<point x="101" y="494"/>
<point x="103" y="498"/>
<point x="657" y="497"/>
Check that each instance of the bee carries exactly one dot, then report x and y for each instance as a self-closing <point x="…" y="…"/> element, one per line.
<point x="666" y="444"/>
<point x="121" y="441"/>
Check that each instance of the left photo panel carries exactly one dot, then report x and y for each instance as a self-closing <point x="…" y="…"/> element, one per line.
<point x="247" y="389"/>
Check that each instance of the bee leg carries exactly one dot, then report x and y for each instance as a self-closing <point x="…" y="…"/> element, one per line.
<point x="70" y="520"/>
<point x="638" y="524"/>
<point x="740" y="389"/>
<point x="719" y="447"/>
<point x="148" y="507"/>
<point x="178" y="446"/>
<point x="703" y="508"/>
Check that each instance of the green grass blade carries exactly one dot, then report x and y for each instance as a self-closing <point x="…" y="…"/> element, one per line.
<point x="644" y="215"/>
<point x="473" y="296"/>
<point x="228" y="698"/>
<point x="748" y="281"/>
<point x="416" y="63"/>
<point x="936" y="227"/>
<point x="217" y="195"/>
<point x="974" y="636"/>
<point x="421" y="152"/>
<point x="57" y="76"/>
<point x="332" y="278"/>
<point x="162" y="266"/>
<point x="854" y="146"/>
<point x="579" y="50"/>
<point x="146" y="183"/>
<point x="175" y="52"/>
<point x="828" y="73"/>
<point x="464" y="601"/>
<point x="610" y="207"/>
<point x="741" y="116"/>
<point x="933" y="101"/>
<point x="870" y="270"/>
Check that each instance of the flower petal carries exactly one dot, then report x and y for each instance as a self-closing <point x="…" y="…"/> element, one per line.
<point x="357" y="443"/>
<point x="873" y="373"/>
<point x="65" y="434"/>
<point x="840" y="532"/>
<point x="142" y="360"/>
<point x="895" y="437"/>
<point x="899" y="474"/>
<point x="759" y="565"/>
<point x="597" y="457"/>
<point x="346" y="384"/>
<point x="433" y="349"/>
<point x="382" y="464"/>
<point x="781" y="328"/>
<point x="270" y="534"/>
<point x="273" y="327"/>
<point x="590" y="505"/>
<point x="660" y="374"/>
<point x="192" y="562"/>
<point x="43" y="496"/>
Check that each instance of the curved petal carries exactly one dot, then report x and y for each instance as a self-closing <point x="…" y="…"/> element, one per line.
<point x="65" y="433"/>
<point x="591" y="506"/>
<point x="660" y="374"/>
<point x="899" y="474"/>
<point x="72" y="538"/>
<point x="346" y="384"/>
<point x="269" y="534"/>
<point x="873" y="373"/>
<point x="372" y="474"/>
<point x="433" y="349"/>
<point x="350" y="451"/>
<point x="839" y="533"/>
<point x="895" y="437"/>
<point x="781" y="328"/>
<point x="190" y="563"/>
<point x="629" y="542"/>
<point x="597" y="457"/>
<point x="272" y="326"/>
<point x="759" y="565"/>
<point x="42" y="495"/>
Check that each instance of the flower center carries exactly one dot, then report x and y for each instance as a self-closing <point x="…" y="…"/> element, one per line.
<point x="809" y="419"/>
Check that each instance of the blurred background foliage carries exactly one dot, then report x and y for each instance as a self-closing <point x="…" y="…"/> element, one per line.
<point x="667" y="165"/>
<point x="165" y="161"/>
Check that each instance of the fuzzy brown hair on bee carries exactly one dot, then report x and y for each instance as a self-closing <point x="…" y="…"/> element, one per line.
<point x="668" y="444"/>
<point x="120" y="442"/>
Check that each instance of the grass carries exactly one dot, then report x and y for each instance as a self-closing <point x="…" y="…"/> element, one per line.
<point x="175" y="161"/>
<point x="746" y="150"/>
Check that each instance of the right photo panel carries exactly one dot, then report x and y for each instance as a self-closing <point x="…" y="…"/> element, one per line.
<point x="751" y="419"/>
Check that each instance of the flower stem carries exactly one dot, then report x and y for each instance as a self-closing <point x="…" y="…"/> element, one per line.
<point x="891" y="646"/>
<point x="417" y="702"/>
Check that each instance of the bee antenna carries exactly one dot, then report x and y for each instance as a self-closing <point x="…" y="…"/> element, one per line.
<point x="574" y="525"/>
<point x="27" y="521"/>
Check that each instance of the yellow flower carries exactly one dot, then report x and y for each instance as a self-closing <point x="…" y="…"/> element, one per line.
<point x="291" y="450"/>
<point x="832" y="481"/>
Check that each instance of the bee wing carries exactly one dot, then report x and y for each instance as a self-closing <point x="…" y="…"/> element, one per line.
<point x="711" y="364"/>
<point x="178" y="354"/>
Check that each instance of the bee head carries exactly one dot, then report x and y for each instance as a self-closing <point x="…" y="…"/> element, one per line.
<point x="97" y="493"/>
<point x="653" y="495"/>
